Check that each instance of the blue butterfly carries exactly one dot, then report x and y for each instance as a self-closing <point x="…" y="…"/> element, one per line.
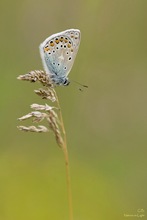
<point x="58" y="53"/>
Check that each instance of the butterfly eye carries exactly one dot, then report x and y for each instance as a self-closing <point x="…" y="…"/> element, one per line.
<point x="66" y="82"/>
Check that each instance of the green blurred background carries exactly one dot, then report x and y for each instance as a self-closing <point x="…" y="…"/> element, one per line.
<point x="106" y="124"/>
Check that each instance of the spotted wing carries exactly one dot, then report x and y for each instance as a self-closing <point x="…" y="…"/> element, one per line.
<point x="58" y="52"/>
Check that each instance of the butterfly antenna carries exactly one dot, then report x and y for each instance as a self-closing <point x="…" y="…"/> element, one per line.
<point x="82" y="85"/>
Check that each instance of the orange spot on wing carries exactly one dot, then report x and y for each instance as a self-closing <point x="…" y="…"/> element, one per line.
<point x="68" y="45"/>
<point x="46" y="49"/>
<point x="57" y="41"/>
<point x="61" y="39"/>
<point x="52" y="44"/>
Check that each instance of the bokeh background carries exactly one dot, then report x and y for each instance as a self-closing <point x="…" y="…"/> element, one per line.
<point x="106" y="124"/>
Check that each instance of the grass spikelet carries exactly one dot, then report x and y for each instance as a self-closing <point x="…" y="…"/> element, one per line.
<point x="40" y="128"/>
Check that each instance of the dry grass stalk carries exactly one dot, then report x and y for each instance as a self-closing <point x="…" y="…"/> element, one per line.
<point x="40" y="128"/>
<point x="52" y="115"/>
<point x="46" y="94"/>
<point x="37" y="75"/>
<point x="49" y="111"/>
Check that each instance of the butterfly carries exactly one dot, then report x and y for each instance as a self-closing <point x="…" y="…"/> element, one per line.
<point x="58" y="53"/>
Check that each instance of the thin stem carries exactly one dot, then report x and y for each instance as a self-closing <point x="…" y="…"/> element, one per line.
<point x="66" y="157"/>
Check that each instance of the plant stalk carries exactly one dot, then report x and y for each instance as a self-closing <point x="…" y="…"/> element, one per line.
<point x="66" y="157"/>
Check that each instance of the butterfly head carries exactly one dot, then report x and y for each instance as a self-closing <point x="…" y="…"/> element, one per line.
<point x="60" y="81"/>
<point x="66" y="82"/>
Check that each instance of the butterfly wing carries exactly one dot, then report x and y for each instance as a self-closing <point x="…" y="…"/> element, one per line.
<point x="58" y="52"/>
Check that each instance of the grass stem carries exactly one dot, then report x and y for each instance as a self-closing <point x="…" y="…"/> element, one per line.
<point x="66" y="157"/>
